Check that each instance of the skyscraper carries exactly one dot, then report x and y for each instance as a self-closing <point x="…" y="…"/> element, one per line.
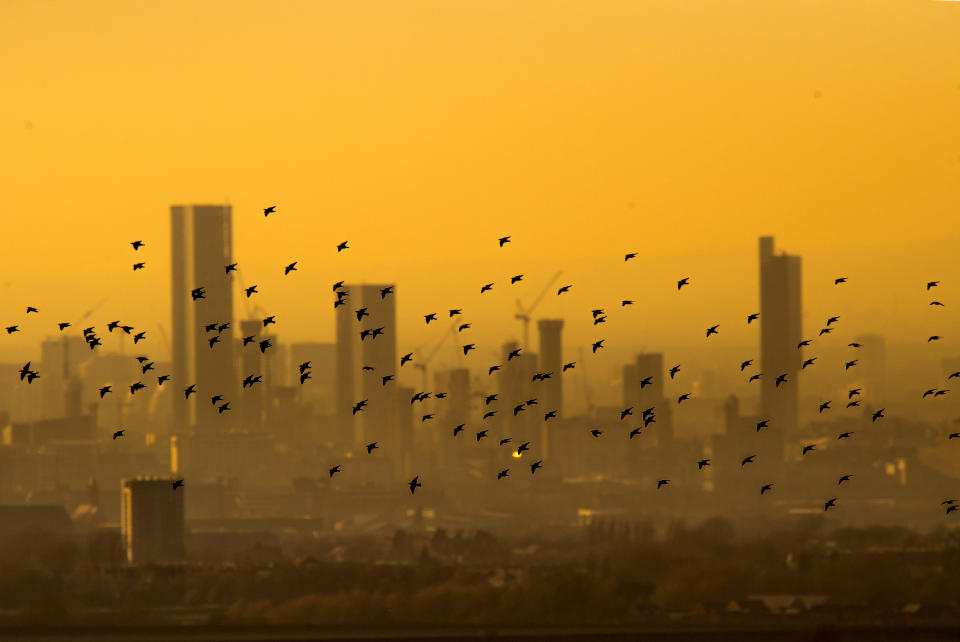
<point x="252" y="400"/>
<point x="551" y="360"/>
<point x="780" y="333"/>
<point x="201" y="242"/>
<point x="151" y="522"/>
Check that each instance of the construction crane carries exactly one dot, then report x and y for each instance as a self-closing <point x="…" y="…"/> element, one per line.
<point x="422" y="365"/>
<point x="524" y="315"/>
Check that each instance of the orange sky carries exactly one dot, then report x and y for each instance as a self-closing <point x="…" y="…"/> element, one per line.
<point x="421" y="131"/>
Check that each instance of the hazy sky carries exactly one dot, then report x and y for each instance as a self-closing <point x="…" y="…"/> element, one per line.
<point x="422" y="131"/>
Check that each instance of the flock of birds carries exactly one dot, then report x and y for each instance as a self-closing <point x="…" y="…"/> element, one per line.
<point x="648" y="415"/>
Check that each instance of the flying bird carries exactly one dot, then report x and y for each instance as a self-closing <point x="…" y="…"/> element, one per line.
<point x="843" y="479"/>
<point x="829" y="504"/>
<point x="630" y="255"/>
<point x="567" y="366"/>
<point x="565" y="288"/>
<point x="832" y="320"/>
<point x="853" y="404"/>
<point x="765" y="488"/>
<point x="934" y="338"/>
<point x="455" y="311"/>
<point x="105" y="390"/>
<point x="480" y="435"/>
<point x="625" y="412"/>
<point x="385" y="291"/>
<point x="514" y="279"/>
<point x="458" y="430"/>
<point x="467" y="348"/>
<point x="138" y="266"/>
<point x="702" y="463"/>
<point x="138" y="337"/>
<point x="762" y="424"/>
<point x="683" y="397"/>
<point x="488" y="286"/>
<point x="840" y="280"/>
<point x="250" y="339"/>
<point x="601" y="319"/>
<point x="849" y="364"/>
<point x="197" y="293"/>
<point x="808" y="362"/>
<point x="635" y="432"/>
<point x="824" y="406"/>
<point x="406" y="357"/>
<point x="780" y="379"/>
<point x="189" y="390"/>
<point x="371" y="447"/>
<point x="503" y="240"/>
<point x="752" y="317"/>
<point x="803" y="343"/>
<point x="932" y="284"/>
<point x="223" y="408"/>
<point x="596" y="432"/>
<point x="853" y="391"/>
<point x="290" y="268"/>
<point x="535" y="465"/>
<point x="214" y="339"/>
<point x="333" y="471"/>
<point x="513" y="353"/>
<point x="251" y="291"/>
<point x="682" y="282"/>
<point x="844" y="435"/>
<point x="269" y="210"/>
<point x="63" y="325"/>
<point x="12" y="328"/>
<point x="662" y="482"/>
<point x="430" y="317"/>
<point x="503" y="441"/>
<point x="503" y="473"/>
<point x="712" y="330"/>
<point x="626" y="302"/>
<point x="337" y="285"/>
<point x="825" y="331"/>
<point x="137" y="245"/>
<point x="227" y="269"/>
<point x="674" y="370"/>
<point x="25" y="370"/>
<point x="385" y="379"/>
<point x="304" y="376"/>
<point x="178" y="484"/>
<point x="936" y="303"/>
<point x="808" y="448"/>
<point x="118" y="434"/>
<point x="162" y="378"/>
<point x="357" y="407"/>
<point x="854" y="345"/>
<point x="136" y="386"/>
<point x="267" y="321"/>
<point x="342" y="246"/>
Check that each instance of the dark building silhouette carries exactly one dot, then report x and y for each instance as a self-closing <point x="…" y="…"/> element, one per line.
<point x="345" y="364"/>
<point x="514" y="388"/>
<point x="252" y="400"/>
<point x="551" y="360"/>
<point x="152" y="523"/>
<point x="651" y="395"/>
<point x="780" y="332"/>
<point x="201" y="241"/>
<point x="456" y="411"/>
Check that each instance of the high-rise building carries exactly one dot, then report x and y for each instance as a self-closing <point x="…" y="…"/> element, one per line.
<point x="780" y="333"/>
<point x="456" y="411"/>
<point x="151" y="522"/>
<point x="376" y="420"/>
<point x="201" y="241"/>
<point x="551" y="360"/>
<point x="515" y="388"/>
<point x="252" y="400"/>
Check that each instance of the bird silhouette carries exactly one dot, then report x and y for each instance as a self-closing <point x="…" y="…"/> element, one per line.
<point x="489" y="413"/>
<point x="936" y="303"/>
<point x="337" y="285"/>
<point x="210" y="327"/>
<point x="780" y="379"/>
<point x="162" y="378"/>
<point x="853" y="404"/>
<point x="940" y="393"/>
<point x="932" y="284"/>
<point x="849" y="364"/>
<point x="267" y="211"/>
<point x="565" y="288"/>
<point x="146" y="367"/>
<point x="626" y="302"/>
<point x="630" y="255"/>
<point x="333" y="471"/>
<point x="189" y="390"/>
<point x="463" y="327"/>
<point x="138" y="337"/>
<point x="829" y="504"/>
<point x="878" y="414"/>
<point x="458" y="430"/>
<point x="384" y="379"/>
<point x="136" y="386"/>
<point x="104" y="390"/>
<point x="406" y="357"/>
<point x="137" y="245"/>
<point x="290" y="268"/>
<point x="264" y="345"/>
<point x="214" y="339"/>
<point x="952" y="508"/>
<point x="832" y="320"/>
<point x="567" y="366"/>
<point x="250" y="339"/>
<point x="934" y="338"/>
<point x="953" y="374"/>
<point x="62" y="325"/>
<point x="118" y="434"/>
<point x="385" y="291"/>
<point x="803" y="343"/>
<point x="602" y="319"/>
<point x="178" y="484"/>
<point x="513" y="353"/>
<point x="30" y="309"/>
<point x="843" y="479"/>
<point x="702" y="463"/>
<point x="535" y="465"/>
<point x="430" y="317"/>
<point x="808" y="362"/>
<point x="223" y="408"/>
<point x="138" y="266"/>
<point x="844" y="435"/>
<point x="683" y="397"/>
<point x="825" y="331"/>
<point x="765" y="488"/>
<point x="808" y="448"/>
<point x="415" y="484"/>
<point x="744" y="364"/>
<point x="674" y="370"/>
<point x="503" y="240"/>
<point x="25" y="370"/>
<point x="824" y="406"/>
<point x="747" y="460"/>
<point x="596" y="432"/>
<point x="662" y="482"/>
<point x="762" y="424"/>
<point x="371" y="447"/>
<point x="425" y="417"/>
<point x="503" y="473"/>
<point x="12" y="328"/>
<point x="357" y="407"/>
<point x="596" y="312"/>
<point x="753" y="377"/>
<point x="625" y="412"/>
<point x="597" y="345"/>
<point x="454" y="312"/>
<point x="268" y="320"/>
<point x="489" y="398"/>
<point x="549" y="415"/>
<point x="342" y="246"/>
<point x="682" y="282"/>
<point x="480" y="435"/>
<point x="854" y="345"/>
<point x="752" y="317"/>
<point x="514" y="279"/>
<point x="467" y="348"/>
<point x="485" y="288"/>
<point x="712" y="330"/>
<point x="227" y="269"/>
<point x="840" y="280"/>
<point x="518" y="408"/>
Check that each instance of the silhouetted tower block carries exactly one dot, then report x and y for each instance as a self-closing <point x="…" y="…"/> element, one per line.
<point x="346" y="364"/>
<point x="780" y="332"/>
<point x="455" y="411"/>
<point x="514" y="388"/>
<point x="252" y="399"/>
<point x="201" y="242"/>
<point x="377" y="419"/>
<point x="152" y="524"/>
<point x="551" y="360"/>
